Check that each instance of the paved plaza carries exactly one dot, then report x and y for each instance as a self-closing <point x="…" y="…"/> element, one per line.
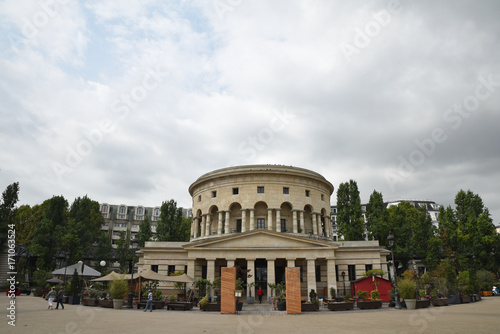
<point x="33" y="317"/>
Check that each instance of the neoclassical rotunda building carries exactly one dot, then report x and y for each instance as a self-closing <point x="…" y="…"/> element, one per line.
<point x="265" y="218"/>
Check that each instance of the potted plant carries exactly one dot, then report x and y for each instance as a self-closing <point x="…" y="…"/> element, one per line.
<point x="158" y="302"/>
<point x="313" y="304"/>
<point x="74" y="289"/>
<point x="90" y="297"/>
<point x="272" y="286"/>
<point x="407" y="289"/>
<point x="281" y="297"/>
<point x="118" y="290"/>
<point x="250" y="298"/>
<point x="485" y="280"/>
<point x="240" y="285"/>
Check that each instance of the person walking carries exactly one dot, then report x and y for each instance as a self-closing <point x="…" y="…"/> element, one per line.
<point x="260" y="293"/>
<point x="51" y="295"/>
<point x="150" y="302"/>
<point x="60" y="296"/>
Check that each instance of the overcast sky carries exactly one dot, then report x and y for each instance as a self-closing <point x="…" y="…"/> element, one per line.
<point x="130" y="102"/>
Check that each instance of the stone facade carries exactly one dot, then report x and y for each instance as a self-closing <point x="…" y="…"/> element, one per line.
<point x="265" y="218"/>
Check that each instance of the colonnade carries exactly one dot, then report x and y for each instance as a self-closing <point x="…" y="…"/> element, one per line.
<point x="203" y="226"/>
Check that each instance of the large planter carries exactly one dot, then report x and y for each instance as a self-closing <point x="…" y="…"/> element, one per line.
<point x="454" y="299"/>
<point x="465" y="299"/>
<point x="105" y="303"/>
<point x="74" y="300"/>
<point x="158" y="304"/>
<point x="309" y="307"/>
<point x="411" y="304"/>
<point x="422" y="303"/>
<point x="250" y="300"/>
<point x="118" y="303"/>
<point x="369" y="304"/>
<point x="239" y="306"/>
<point x="281" y="305"/>
<point x="486" y="293"/>
<point x="342" y="306"/>
<point x="440" y="302"/>
<point x="212" y="307"/>
<point x="89" y="302"/>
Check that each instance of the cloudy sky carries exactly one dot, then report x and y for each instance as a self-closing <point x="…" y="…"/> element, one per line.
<point x="131" y="101"/>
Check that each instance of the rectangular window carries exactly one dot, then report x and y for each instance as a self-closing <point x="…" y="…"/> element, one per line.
<point x="123" y="209"/>
<point x="261" y="223"/>
<point x="214" y="193"/>
<point x="185" y="269"/>
<point x="286" y="190"/>
<point x="260" y="190"/>
<point x="283" y="225"/>
<point x="204" y="272"/>
<point x="307" y="193"/>
<point x="238" y="225"/>
<point x="154" y="268"/>
<point x="322" y="197"/>
<point x="199" y="198"/>
<point x="318" y="273"/>
<point x="351" y="269"/>
<point x="236" y="191"/>
<point x="171" y="270"/>
<point x="368" y="267"/>
<point x="336" y="273"/>
<point x="104" y="208"/>
<point x="298" y="226"/>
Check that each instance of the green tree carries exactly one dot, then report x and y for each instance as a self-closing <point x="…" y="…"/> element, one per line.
<point x="83" y="228"/>
<point x="476" y="234"/>
<point x="349" y="215"/>
<point x="104" y="252"/>
<point x="145" y="233"/>
<point x="400" y="224"/>
<point x="423" y="238"/>
<point x="49" y="231"/>
<point x="26" y="219"/>
<point x="377" y="218"/>
<point x="171" y="226"/>
<point x="7" y="211"/>
<point x="123" y="251"/>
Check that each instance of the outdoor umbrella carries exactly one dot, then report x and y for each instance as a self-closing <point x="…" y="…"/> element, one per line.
<point x="55" y="280"/>
<point x="111" y="276"/>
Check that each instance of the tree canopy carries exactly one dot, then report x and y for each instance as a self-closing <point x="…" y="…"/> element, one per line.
<point x="349" y="216"/>
<point x="172" y="226"/>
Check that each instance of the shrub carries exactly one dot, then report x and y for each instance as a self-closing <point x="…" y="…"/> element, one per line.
<point x="204" y="301"/>
<point x="375" y="294"/>
<point x="172" y="298"/>
<point x="485" y="280"/>
<point x="312" y="295"/>
<point x="333" y="293"/>
<point x="407" y="288"/>
<point x="118" y="289"/>
<point x="363" y="295"/>
<point x="347" y="297"/>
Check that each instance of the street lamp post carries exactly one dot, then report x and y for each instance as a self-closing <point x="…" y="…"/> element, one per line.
<point x="390" y="239"/>
<point x="343" y="281"/>
<point x="134" y="242"/>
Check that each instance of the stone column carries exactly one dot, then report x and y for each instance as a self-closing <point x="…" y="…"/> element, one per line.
<point x="290" y="262"/>
<point x="294" y="221"/>
<point x="195" y="227"/>
<point x="191" y="267"/>
<point x="207" y="228"/>
<point x="331" y="281"/>
<point x="311" y="276"/>
<point x="230" y="262"/>
<point x="270" y="219"/>
<point x="252" y="219"/>
<point x="314" y="224"/>
<point x="203" y="225"/>
<point x="243" y="220"/>
<point x="211" y="270"/>
<point x="226" y="227"/>
<point x="318" y="219"/>
<point x="219" y="223"/>
<point x="278" y="220"/>
<point x="302" y="222"/>
<point x="251" y="268"/>
<point x="192" y="228"/>
<point x="270" y="275"/>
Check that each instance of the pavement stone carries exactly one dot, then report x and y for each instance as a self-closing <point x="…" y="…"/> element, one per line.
<point x="33" y="317"/>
